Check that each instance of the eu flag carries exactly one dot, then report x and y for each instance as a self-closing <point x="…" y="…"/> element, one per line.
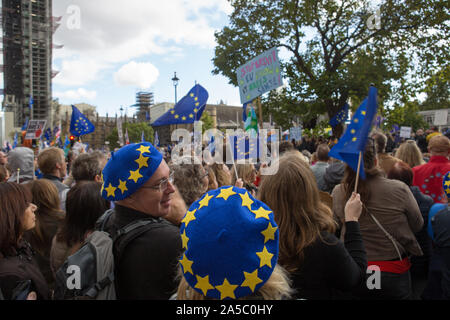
<point x="355" y="137"/>
<point x="340" y="117"/>
<point x="246" y="147"/>
<point x="188" y="110"/>
<point x="80" y="125"/>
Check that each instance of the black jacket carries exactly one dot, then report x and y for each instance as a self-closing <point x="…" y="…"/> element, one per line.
<point x="21" y="267"/>
<point x="420" y="263"/>
<point x="148" y="266"/>
<point x="330" y="269"/>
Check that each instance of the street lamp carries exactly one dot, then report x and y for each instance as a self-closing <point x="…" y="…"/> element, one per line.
<point x="175" y="84"/>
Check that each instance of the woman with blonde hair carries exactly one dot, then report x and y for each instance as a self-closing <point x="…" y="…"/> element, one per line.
<point x="319" y="264"/>
<point x="410" y="153"/>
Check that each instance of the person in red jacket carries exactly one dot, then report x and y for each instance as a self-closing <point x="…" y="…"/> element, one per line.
<point x="428" y="177"/>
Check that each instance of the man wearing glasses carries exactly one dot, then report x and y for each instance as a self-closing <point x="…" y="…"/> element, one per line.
<point x="139" y="182"/>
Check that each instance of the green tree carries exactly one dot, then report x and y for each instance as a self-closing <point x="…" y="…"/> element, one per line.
<point x="334" y="55"/>
<point x="134" y="134"/>
<point x="405" y="115"/>
<point x="207" y="120"/>
<point x="437" y="88"/>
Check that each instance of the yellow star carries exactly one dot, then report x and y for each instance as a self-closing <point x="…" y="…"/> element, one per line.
<point x="261" y="213"/>
<point x="226" y="193"/>
<point x="246" y="201"/>
<point x="251" y="280"/>
<point x="195" y="110"/>
<point x="111" y="190"/>
<point x="205" y="201"/>
<point x="187" y="264"/>
<point x="356" y="120"/>
<point x="177" y="116"/>
<point x="142" y="161"/>
<point x="197" y="104"/>
<point x="353" y="131"/>
<point x="363" y="113"/>
<point x="447" y="183"/>
<point x="183" y="118"/>
<point x="190" y="216"/>
<point x="191" y="115"/>
<point x="184" y="239"/>
<point x="122" y="186"/>
<point x="265" y="258"/>
<point x="143" y="149"/>
<point x="354" y="139"/>
<point x="191" y="95"/>
<point x="203" y="284"/>
<point x="135" y="175"/>
<point x="172" y="112"/>
<point x="196" y="99"/>
<point x="226" y="290"/>
<point x="269" y="233"/>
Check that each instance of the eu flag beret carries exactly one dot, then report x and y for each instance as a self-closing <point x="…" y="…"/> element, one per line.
<point x="231" y="244"/>
<point x="128" y="169"/>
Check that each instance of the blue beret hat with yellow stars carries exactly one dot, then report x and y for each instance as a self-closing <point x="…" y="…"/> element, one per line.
<point x="231" y="242"/>
<point x="446" y="184"/>
<point x="128" y="169"/>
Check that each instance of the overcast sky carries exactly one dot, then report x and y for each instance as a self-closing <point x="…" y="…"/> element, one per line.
<point x="118" y="48"/>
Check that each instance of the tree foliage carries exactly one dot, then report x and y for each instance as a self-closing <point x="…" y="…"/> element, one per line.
<point x="333" y="56"/>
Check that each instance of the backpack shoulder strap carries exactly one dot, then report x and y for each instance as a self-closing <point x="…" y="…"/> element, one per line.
<point x="103" y="220"/>
<point x="130" y="232"/>
<point x="1" y="295"/>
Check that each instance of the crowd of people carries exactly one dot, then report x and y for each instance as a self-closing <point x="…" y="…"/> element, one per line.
<point x="190" y="230"/>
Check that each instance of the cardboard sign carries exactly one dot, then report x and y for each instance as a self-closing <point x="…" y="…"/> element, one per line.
<point x="440" y="117"/>
<point x="296" y="133"/>
<point x="259" y="76"/>
<point x="35" y="129"/>
<point x="405" y="132"/>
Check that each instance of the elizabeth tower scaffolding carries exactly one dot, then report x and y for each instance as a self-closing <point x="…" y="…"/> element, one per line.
<point x="27" y="57"/>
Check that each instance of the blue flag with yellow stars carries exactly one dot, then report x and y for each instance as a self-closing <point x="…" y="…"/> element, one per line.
<point x="80" y="125"/>
<point x="188" y="110"/>
<point x="246" y="147"/>
<point x="355" y="137"/>
<point x="340" y="117"/>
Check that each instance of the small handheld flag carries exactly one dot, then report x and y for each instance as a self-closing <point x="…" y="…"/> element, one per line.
<point x="354" y="140"/>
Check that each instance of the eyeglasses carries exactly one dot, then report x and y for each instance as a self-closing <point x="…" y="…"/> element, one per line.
<point x="162" y="186"/>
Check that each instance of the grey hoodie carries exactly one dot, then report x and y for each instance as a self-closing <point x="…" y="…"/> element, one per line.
<point x="23" y="159"/>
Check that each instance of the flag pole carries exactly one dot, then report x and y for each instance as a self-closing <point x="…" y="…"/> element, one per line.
<point x="232" y="157"/>
<point x="357" y="172"/>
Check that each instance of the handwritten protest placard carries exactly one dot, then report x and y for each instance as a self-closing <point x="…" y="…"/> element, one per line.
<point x="259" y="75"/>
<point x="35" y="129"/>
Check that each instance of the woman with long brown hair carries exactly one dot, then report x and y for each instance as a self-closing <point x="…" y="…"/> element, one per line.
<point x="388" y="222"/>
<point x="49" y="218"/>
<point x="319" y="264"/>
<point x="18" y="267"/>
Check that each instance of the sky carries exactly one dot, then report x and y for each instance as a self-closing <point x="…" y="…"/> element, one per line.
<point x="115" y="48"/>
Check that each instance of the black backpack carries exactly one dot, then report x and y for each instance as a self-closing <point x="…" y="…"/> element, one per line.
<point x="89" y="273"/>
